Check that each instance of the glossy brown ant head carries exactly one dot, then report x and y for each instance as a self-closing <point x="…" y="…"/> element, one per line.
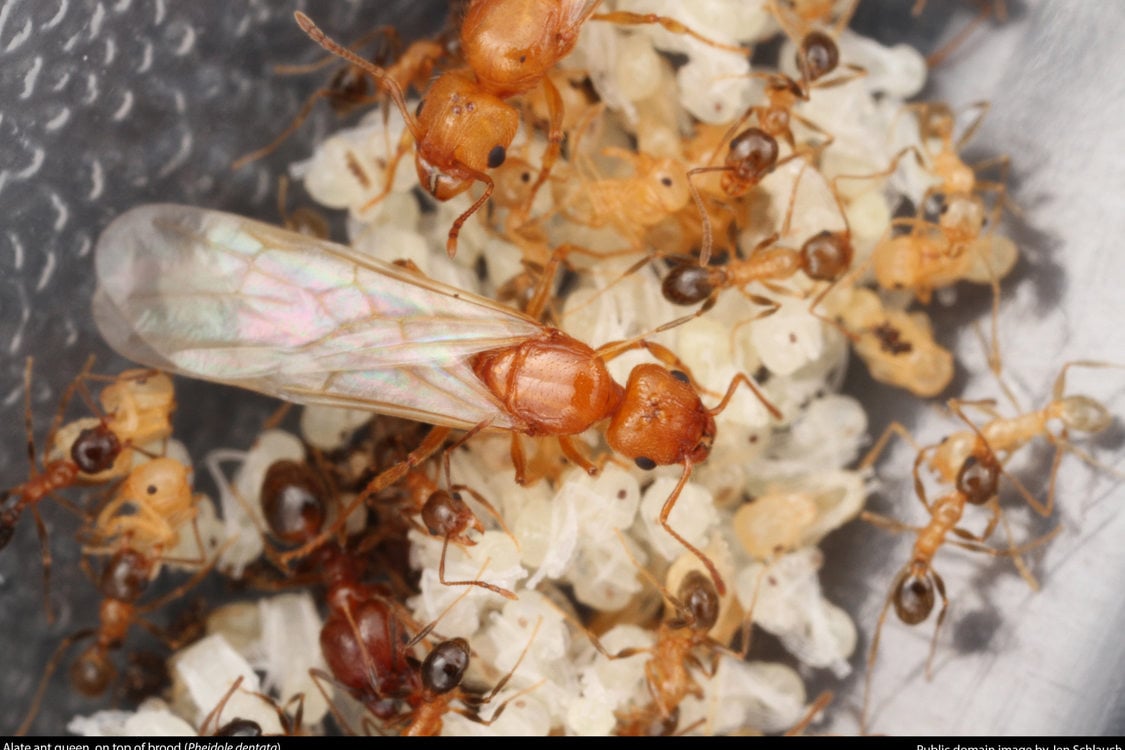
<point x="914" y="595"/>
<point x="1083" y="414"/>
<point x="447" y="515"/>
<point x="294" y="501"/>
<point x="977" y="480"/>
<point x="687" y="285"/>
<point x="95" y="449"/>
<point x="92" y="672"/>
<point x="126" y="576"/>
<point x="826" y="256"/>
<point x="698" y="603"/>
<point x="239" y="728"/>
<point x="462" y="127"/>
<point x="818" y="56"/>
<point x="445" y="666"/>
<point x="752" y="154"/>
<point x="661" y="420"/>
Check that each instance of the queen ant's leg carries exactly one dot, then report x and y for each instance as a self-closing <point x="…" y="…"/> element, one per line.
<point x="666" y="511"/>
<point x="554" y="144"/>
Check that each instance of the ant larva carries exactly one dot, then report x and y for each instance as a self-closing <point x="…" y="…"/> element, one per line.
<point x="898" y="347"/>
<point x="464" y="125"/>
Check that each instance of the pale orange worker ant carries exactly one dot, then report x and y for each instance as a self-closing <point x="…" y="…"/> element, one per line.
<point x="464" y="126"/>
<point x="631" y="205"/>
<point x="955" y="247"/>
<point x="93" y="450"/>
<point x="961" y="191"/>
<point x="136" y="405"/>
<point x="123" y="581"/>
<point x="754" y="152"/>
<point x="826" y="256"/>
<point x="912" y="592"/>
<point x="1005" y="435"/>
<point x="668" y="672"/>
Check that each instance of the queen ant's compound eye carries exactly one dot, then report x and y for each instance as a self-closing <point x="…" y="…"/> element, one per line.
<point x="681" y="376"/>
<point x="646" y="464"/>
<point x="496" y="156"/>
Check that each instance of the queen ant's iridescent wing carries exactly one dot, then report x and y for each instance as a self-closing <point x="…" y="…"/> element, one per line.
<point x="216" y="296"/>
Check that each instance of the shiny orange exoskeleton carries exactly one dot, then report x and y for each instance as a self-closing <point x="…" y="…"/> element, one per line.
<point x="464" y="125"/>
<point x="510" y="372"/>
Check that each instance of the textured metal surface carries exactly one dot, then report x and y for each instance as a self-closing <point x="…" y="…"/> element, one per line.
<point x="104" y="105"/>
